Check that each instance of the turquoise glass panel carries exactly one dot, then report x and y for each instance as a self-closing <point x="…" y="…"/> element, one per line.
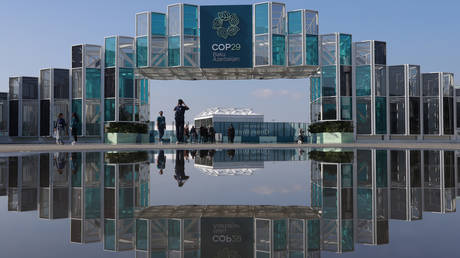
<point x="190" y="20"/>
<point x="173" y="234"/>
<point x="92" y="203"/>
<point x="279" y="50"/>
<point x="316" y="196"/>
<point x="262" y="255"/>
<point x="329" y="80"/>
<point x="280" y="235"/>
<point x="330" y="203"/>
<point x="363" y="80"/>
<point x="345" y="49"/>
<point x="295" y="22"/>
<point x="364" y="203"/>
<point x="296" y="254"/>
<point x="77" y="108"/>
<point x="346" y="108"/>
<point x="158" y="24"/>
<point x="347" y="175"/>
<point x="174" y="51"/>
<point x="146" y="91"/>
<point x="315" y="84"/>
<point x="109" y="110"/>
<point x="109" y="235"/>
<point x="93" y="83"/>
<point x="312" y="50"/>
<point x="110" y="51"/>
<point x="347" y="235"/>
<point x="141" y="51"/>
<point x="75" y="166"/>
<point x="261" y="18"/>
<point x="159" y="254"/>
<point x="126" y="88"/>
<point x="109" y="176"/>
<point x="381" y="168"/>
<point x="313" y="235"/>
<point x="126" y="205"/>
<point x="380" y="115"/>
<point x="141" y="234"/>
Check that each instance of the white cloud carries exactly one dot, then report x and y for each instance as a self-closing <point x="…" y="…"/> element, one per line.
<point x="263" y="93"/>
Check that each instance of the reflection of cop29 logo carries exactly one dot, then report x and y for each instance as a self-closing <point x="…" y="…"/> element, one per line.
<point x="226" y="24"/>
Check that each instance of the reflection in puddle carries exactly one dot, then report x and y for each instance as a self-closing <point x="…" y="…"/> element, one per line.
<point x="352" y="197"/>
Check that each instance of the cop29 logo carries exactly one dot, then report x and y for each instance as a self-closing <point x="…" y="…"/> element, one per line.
<point x="226" y="24"/>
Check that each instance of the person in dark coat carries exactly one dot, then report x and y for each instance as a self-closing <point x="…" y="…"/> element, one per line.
<point x="161" y="161"/>
<point x="211" y="134"/>
<point x="193" y="134"/>
<point x="203" y="134"/>
<point x="161" y="126"/>
<point x="231" y="133"/>
<point x="179" y="116"/>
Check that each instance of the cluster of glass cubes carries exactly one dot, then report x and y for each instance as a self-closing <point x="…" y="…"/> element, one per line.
<point x="54" y="98"/>
<point x="151" y="40"/>
<point x="331" y="92"/>
<point x="87" y="76"/>
<point x="23" y="106"/>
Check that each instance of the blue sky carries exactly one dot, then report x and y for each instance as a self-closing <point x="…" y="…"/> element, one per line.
<point x="39" y="34"/>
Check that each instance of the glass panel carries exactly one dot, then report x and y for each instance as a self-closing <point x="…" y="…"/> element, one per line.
<point x="126" y="52"/>
<point x="381" y="164"/>
<point x="174" y="20"/>
<point x="380" y="52"/>
<point x="126" y="110"/>
<point x="93" y="117"/>
<point x="347" y="175"/>
<point x="448" y="115"/>
<point x="364" y="203"/>
<point x="345" y="108"/>
<point x="141" y="234"/>
<point x="278" y="19"/>
<point x="174" y="242"/>
<point x="159" y="50"/>
<point x="158" y="24"/>
<point x="261" y="18"/>
<point x="415" y="168"/>
<point x="398" y="168"/>
<point x="126" y="88"/>
<point x="262" y="235"/>
<point x="345" y="49"/>
<point x="93" y="83"/>
<point x="430" y="84"/>
<point x="261" y="50"/>
<point x="315" y="86"/>
<point x="397" y="116"/>
<point x="431" y="115"/>
<point x="77" y="83"/>
<point x="346" y="81"/>
<point x="329" y="80"/>
<point x="328" y="49"/>
<point x="396" y="81"/>
<point x="380" y="80"/>
<point x="76" y="56"/>
<point x="414" y="115"/>
<point x="92" y="203"/>
<point x="29" y="118"/>
<point x="279" y="50"/>
<point x="173" y="51"/>
<point x="432" y="168"/>
<point x="142" y="24"/>
<point x="295" y="22"/>
<point x="141" y="51"/>
<point x="414" y="81"/>
<point x="295" y="50"/>
<point x="110" y="51"/>
<point x="363" y="115"/>
<point x="280" y="235"/>
<point x="14" y="88"/>
<point x="61" y="83"/>
<point x="312" y="50"/>
<point x="363" y="53"/>
<point x="380" y="115"/>
<point x="45" y="84"/>
<point x="93" y="56"/>
<point x="126" y="202"/>
<point x="109" y="82"/>
<point x="109" y="110"/>
<point x="191" y="51"/>
<point x="311" y="22"/>
<point x="313" y="235"/>
<point x="29" y="88"/>
<point x="13" y="123"/>
<point x="364" y="164"/>
<point x="109" y="235"/>
<point x="347" y="236"/>
<point x="329" y="175"/>
<point x="77" y="108"/>
<point x="363" y="80"/>
<point x="330" y="203"/>
<point x="448" y="84"/>
<point x="329" y="108"/>
<point x="190" y="20"/>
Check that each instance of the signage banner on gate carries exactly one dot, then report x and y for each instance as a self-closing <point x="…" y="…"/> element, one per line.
<point x="226" y="36"/>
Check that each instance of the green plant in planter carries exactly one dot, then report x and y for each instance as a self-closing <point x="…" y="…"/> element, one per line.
<point x="331" y="156"/>
<point x="126" y="127"/>
<point x="331" y="127"/>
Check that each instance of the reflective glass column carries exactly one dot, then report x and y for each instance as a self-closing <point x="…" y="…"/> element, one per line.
<point x="151" y="40"/>
<point x="302" y="38"/>
<point x="24" y="106"/>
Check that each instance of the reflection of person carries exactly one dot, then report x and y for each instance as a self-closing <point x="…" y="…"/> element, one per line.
<point x="74" y="163"/>
<point x="231" y="154"/>
<point x="179" y="116"/>
<point x="180" y="176"/>
<point x="59" y="161"/>
<point x="161" y="161"/>
<point x="161" y="125"/>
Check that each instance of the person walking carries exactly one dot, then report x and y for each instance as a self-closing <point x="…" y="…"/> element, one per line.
<point x="193" y="134"/>
<point x="59" y="128"/>
<point x="161" y="126"/>
<point x="179" y="117"/>
<point x="231" y="133"/>
<point x="74" y="127"/>
<point x="187" y="133"/>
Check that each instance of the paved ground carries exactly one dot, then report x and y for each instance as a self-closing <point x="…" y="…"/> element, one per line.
<point x="8" y="148"/>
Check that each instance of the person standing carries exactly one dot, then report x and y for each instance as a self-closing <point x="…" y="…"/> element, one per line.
<point x="59" y="128"/>
<point x="231" y="133"/>
<point x="74" y="127"/>
<point x="212" y="134"/>
<point x="203" y="134"/>
<point x="187" y="133"/>
<point x="161" y="126"/>
<point x="179" y="117"/>
<point x="193" y="134"/>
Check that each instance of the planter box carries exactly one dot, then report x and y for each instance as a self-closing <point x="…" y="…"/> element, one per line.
<point x="332" y="138"/>
<point x="120" y="138"/>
